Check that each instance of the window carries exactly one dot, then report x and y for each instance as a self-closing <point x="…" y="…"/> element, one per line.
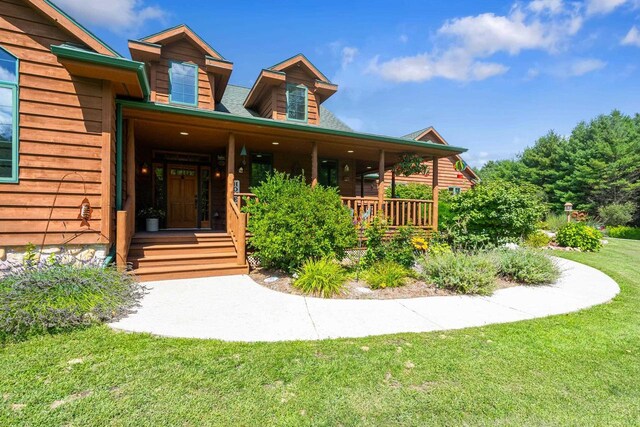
<point x="454" y="190"/>
<point x="183" y="79"/>
<point x="261" y="168"/>
<point x="297" y="102"/>
<point x="8" y="117"/>
<point x="328" y="173"/>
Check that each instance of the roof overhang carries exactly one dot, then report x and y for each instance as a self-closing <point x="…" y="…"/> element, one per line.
<point x="259" y="125"/>
<point x="144" y="52"/>
<point x="130" y="77"/>
<point x="182" y="32"/>
<point x="266" y="80"/>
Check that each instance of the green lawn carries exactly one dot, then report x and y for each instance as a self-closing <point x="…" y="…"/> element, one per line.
<point x="578" y="369"/>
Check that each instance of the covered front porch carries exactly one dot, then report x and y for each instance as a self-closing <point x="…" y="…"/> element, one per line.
<point x="199" y="168"/>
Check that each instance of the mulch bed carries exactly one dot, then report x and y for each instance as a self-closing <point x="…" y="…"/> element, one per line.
<point x="281" y="282"/>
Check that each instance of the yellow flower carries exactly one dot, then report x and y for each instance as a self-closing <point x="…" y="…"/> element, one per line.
<point x="420" y="243"/>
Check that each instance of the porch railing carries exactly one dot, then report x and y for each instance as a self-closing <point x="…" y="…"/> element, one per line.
<point x="125" y="229"/>
<point x="398" y="212"/>
<point x="238" y="230"/>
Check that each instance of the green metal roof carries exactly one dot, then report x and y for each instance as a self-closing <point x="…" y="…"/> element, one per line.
<point x="70" y="51"/>
<point x="270" y="123"/>
<point x="326" y="80"/>
<point x="413" y="135"/>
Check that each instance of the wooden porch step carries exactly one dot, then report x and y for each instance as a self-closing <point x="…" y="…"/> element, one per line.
<point x="185" y="239"/>
<point x="172" y="272"/>
<point x="181" y="258"/>
<point x="141" y="250"/>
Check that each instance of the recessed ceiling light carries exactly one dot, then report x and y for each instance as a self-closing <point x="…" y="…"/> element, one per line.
<point x="184" y="133"/>
<point x="275" y="143"/>
<point x="369" y="167"/>
<point x="258" y="155"/>
<point x="350" y="151"/>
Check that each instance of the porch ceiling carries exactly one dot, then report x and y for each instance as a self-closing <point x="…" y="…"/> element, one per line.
<point x="164" y="128"/>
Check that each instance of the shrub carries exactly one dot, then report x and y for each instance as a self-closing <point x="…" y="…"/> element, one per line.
<point x="60" y="297"/>
<point x="401" y="248"/>
<point x="555" y="221"/>
<point x="526" y="266"/>
<point x="437" y="248"/>
<point x="374" y="233"/>
<point x="291" y="222"/>
<point x="617" y="214"/>
<point x="538" y="239"/>
<point x="624" y="232"/>
<point x="323" y="277"/>
<point x="461" y="272"/>
<point x="579" y="235"/>
<point x="495" y="212"/>
<point x="386" y="274"/>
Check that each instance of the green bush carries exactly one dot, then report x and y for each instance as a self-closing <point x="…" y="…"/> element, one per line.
<point x="461" y="272"/>
<point x="555" y="221"/>
<point x="56" y="298"/>
<point x="401" y="249"/>
<point x="374" y="233"/>
<point x="617" y="214"/>
<point x="624" y="232"/>
<point x="526" y="266"/>
<point x="323" y="277"/>
<point x="386" y="274"/>
<point x="495" y="212"/>
<point x="412" y="190"/>
<point x="579" y="235"/>
<point x="537" y="240"/>
<point x="291" y="222"/>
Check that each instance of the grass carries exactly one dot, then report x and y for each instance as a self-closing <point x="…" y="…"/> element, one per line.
<point x="576" y="369"/>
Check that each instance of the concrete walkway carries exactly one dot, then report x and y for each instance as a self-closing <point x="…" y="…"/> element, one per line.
<point x="235" y="308"/>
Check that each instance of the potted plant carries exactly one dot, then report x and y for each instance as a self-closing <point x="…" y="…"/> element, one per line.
<point x="153" y="217"/>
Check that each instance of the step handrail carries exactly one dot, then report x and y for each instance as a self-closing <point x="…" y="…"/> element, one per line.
<point x="238" y="230"/>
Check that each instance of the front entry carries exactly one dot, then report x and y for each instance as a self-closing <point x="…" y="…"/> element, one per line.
<point x="182" y="196"/>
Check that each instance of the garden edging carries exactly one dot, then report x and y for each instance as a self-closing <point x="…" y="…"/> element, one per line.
<point x="235" y="308"/>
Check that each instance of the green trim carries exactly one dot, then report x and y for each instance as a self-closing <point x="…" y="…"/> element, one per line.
<point x="190" y="29"/>
<point x="195" y="83"/>
<point x="70" y="52"/>
<point x="326" y="80"/>
<point x="77" y="24"/>
<point x="306" y="102"/>
<point x="270" y="123"/>
<point x="15" y="129"/>
<point x="119" y="153"/>
<point x="224" y="61"/>
<point x="110" y="257"/>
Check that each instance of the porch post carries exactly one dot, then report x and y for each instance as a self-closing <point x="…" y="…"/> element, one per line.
<point x="362" y="185"/>
<point x="231" y="166"/>
<point x="393" y="184"/>
<point x="131" y="165"/>
<point x="381" y="183"/>
<point x="314" y="164"/>
<point x="436" y="189"/>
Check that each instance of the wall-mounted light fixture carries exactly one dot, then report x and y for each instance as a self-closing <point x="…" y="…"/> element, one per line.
<point x="144" y="169"/>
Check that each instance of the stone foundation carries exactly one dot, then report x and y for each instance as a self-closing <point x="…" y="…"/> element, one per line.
<point x="14" y="258"/>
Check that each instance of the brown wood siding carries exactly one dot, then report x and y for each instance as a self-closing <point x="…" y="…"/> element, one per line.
<point x="184" y="51"/>
<point x="61" y="132"/>
<point x="448" y="177"/>
<point x="296" y="76"/>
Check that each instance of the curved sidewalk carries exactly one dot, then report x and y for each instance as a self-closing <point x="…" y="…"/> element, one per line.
<point x="235" y="308"/>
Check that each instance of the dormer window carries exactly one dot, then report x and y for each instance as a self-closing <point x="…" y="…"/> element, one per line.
<point x="297" y="102"/>
<point x="183" y="78"/>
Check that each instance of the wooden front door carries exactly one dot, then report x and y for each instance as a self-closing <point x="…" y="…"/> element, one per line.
<point x="182" y="196"/>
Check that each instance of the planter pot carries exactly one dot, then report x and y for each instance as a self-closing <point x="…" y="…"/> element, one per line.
<point x="153" y="224"/>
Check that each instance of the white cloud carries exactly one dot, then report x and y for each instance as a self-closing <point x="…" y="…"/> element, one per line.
<point x="477" y="161"/>
<point x="601" y="7"/>
<point x="403" y="38"/>
<point x="541" y="6"/>
<point x="117" y="15"/>
<point x="348" y="55"/>
<point x="584" y="66"/>
<point x="632" y="38"/>
<point x="464" y="44"/>
<point x="532" y="73"/>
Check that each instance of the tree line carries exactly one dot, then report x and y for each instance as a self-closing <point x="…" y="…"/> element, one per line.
<point x="596" y="166"/>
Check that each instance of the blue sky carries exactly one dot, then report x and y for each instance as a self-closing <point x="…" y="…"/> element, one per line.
<point x="491" y="76"/>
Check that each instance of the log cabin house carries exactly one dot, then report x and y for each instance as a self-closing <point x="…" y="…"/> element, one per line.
<point x="88" y="138"/>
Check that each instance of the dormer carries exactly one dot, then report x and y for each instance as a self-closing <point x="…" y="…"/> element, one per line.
<point x="291" y="90"/>
<point x="183" y="69"/>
